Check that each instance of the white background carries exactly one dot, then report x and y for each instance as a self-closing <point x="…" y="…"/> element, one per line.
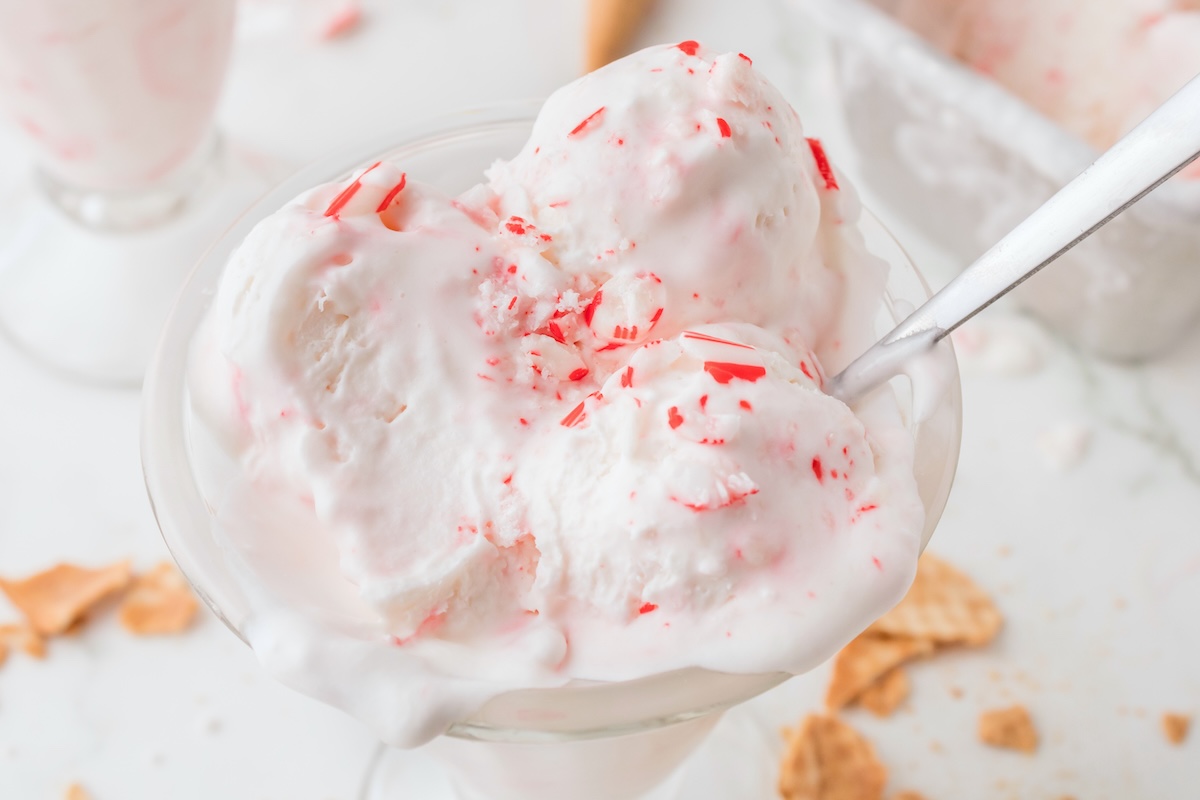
<point x="1097" y="567"/>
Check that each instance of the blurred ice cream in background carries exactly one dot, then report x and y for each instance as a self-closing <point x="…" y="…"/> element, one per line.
<point x="1097" y="67"/>
<point x="969" y="115"/>
<point x="117" y="100"/>
<point x="114" y="94"/>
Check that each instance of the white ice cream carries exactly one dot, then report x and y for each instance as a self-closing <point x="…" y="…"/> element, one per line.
<point x="114" y="94"/>
<point x="570" y="425"/>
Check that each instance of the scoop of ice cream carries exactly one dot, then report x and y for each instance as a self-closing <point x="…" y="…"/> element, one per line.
<point x="680" y="164"/>
<point x="359" y="372"/>
<point x="711" y="477"/>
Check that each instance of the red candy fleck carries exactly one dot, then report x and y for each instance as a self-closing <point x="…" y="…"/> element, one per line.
<point x="724" y="371"/>
<point x="734" y="498"/>
<point x="745" y="58"/>
<point x="512" y="302"/>
<point x="745" y="404"/>
<point x="689" y="47"/>
<point x="867" y="507"/>
<point x="578" y="129"/>
<point x="818" y="470"/>
<point x="823" y="163"/>
<point x="574" y="418"/>
<point x="703" y="401"/>
<point x="627" y="377"/>
<point x="657" y="315"/>
<point x="704" y="337"/>
<point x="508" y="480"/>
<point x="878" y="564"/>
<point x="429" y="625"/>
<point x="723" y="126"/>
<point x="621" y="332"/>
<point x="578" y="374"/>
<point x="589" y="310"/>
<point x="515" y="225"/>
<point x="674" y="419"/>
<point x="804" y="369"/>
<point x="647" y="608"/>
<point x="348" y="193"/>
<point x="556" y="333"/>
<point x="391" y="195"/>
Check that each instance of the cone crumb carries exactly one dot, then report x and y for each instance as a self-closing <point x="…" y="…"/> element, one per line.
<point x="1009" y="728"/>
<point x="1175" y="727"/>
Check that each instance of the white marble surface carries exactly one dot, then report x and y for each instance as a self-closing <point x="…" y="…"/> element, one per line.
<point x="1077" y="499"/>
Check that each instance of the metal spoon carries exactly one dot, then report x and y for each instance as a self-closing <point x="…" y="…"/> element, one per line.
<point x="1164" y="143"/>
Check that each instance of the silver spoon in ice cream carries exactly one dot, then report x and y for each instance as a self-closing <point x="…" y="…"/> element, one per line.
<point x="1164" y="143"/>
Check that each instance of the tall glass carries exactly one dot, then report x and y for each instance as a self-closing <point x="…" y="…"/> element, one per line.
<point x="585" y="742"/>
<point x="116" y="100"/>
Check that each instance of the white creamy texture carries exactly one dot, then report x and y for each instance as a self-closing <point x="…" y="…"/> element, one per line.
<point x="700" y="144"/>
<point x="115" y="94"/>
<point x="1097" y="67"/>
<point x="539" y="461"/>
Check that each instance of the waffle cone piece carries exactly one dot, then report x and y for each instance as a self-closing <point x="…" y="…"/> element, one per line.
<point x="943" y="606"/>
<point x="885" y="695"/>
<point x="826" y="759"/>
<point x="57" y="598"/>
<point x="159" y="602"/>
<point x="865" y="661"/>
<point x="611" y="25"/>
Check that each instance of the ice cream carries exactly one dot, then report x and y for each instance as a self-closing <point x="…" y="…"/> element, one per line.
<point x="1097" y="68"/>
<point x="570" y="424"/>
<point x="115" y="94"/>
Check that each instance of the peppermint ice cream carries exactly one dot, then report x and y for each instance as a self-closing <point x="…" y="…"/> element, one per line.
<point x="569" y="425"/>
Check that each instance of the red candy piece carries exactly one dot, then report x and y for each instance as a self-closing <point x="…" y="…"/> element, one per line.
<point x="724" y="371"/>
<point x="348" y="193"/>
<point x="595" y="115"/>
<point x="391" y="195"/>
<point x="823" y="164"/>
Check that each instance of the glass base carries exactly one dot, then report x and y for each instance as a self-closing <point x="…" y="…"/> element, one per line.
<point x="738" y="759"/>
<point x="89" y="303"/>
<point x="140" y="209"/>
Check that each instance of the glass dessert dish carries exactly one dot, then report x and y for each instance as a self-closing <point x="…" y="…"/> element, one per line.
<point x="584" y="741"/>
<point x="130" y="183"/>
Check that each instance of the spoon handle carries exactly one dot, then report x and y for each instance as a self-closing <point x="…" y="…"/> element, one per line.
<point x="1164" y="143"/>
